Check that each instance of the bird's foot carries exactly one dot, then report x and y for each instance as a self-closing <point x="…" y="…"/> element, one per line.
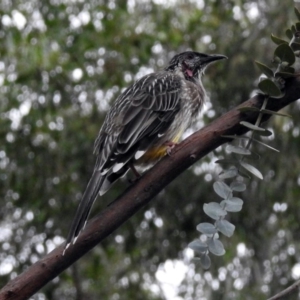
<point x="135" y="172"/>
<point x="170" y="147"/>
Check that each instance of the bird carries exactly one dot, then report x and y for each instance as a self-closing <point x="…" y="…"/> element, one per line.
<point x="144" y="124"/>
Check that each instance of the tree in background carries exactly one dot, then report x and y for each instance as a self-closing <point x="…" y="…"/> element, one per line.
<point x="61" y="65"/>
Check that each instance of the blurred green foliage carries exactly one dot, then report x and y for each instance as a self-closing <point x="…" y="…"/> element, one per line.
<point x="61" y="65"/>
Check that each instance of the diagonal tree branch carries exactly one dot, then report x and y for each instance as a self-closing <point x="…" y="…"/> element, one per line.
<point x="142" y="192"/>
<point x="287" y="292"/>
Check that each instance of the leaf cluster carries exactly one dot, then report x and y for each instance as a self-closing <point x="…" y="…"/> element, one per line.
<point x="284" y="56"/>
<point x="271" y="86"/>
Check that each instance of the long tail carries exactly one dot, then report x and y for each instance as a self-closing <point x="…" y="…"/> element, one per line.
<point x="85" y="206"/>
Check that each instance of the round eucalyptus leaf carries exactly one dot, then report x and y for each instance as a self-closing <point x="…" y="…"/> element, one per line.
<point x="285" y="53"/>
<point x="269" y="87"/>
<point x="214" y="210"/>
<point x="233" y="205"/>
<point x="198" y="246"/>
<point x="289" y="33"/>
<point x="252" y="126"/>
<point x="216" y="247"/>
<point x="205" y="261"/>
<point x="225" y="227"/>
<point x="232" y="172"/>
<point x="251" y="169"/>
<point x="207" y="228"/>
<point x="222" y="189"/>
<point x="265" y="69"/>
<point x="238" y="186"/>
<point x="238" y="150"/>
<point x="278" y="40"/>
<point x="297" y="13"/>
<point x="295" y="46"/>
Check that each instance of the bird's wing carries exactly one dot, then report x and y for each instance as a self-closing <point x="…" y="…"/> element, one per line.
<point x="138" y="117"/>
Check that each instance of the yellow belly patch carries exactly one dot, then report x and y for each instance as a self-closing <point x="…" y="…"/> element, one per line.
<point x="157" y="152"/>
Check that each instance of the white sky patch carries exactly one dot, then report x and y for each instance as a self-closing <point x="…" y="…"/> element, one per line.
<point x="7" y="265"/>
<point x="38" y="21"/>
<point x="80" y="20"/>
<point x="198" y="3"/>
<point x="18" y="19"/>
<point x="142" y="72"/>
<point x="52" y="244"/>
<point x="74" y="21"/>
<point x="241" y="249"/>
<point x="6" y="233"/>
<point x="280" y="207"/>
<point x="25" y="108"/>
<point x="169" y="3"/>
<point x="77" y="74"/>
<point x="84" y="17"/>
<point x="206" y="39"/>
<point x="158" y="222"/>
<point x="6" y="20"/>
<point x="157" y="48"/>
<point x="170" y="275"/>
<point x="296" y="271"/>
<point x="237" y="15"/>
<point x="103" y="105"/>
<point x="252" y="11"/>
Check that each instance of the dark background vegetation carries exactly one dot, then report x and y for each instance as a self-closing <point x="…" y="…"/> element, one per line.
<point x="62" y="63"/>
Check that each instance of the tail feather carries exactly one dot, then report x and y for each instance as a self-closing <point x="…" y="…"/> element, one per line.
<point x="85" y="206"/>
<point x="98" y="183"/>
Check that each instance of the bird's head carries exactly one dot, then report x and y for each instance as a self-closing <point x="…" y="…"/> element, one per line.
<point x="192" y="64"/>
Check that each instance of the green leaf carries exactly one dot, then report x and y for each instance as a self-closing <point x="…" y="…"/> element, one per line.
<point x="214" y="210"/>
<point x="297" y="13"/>
<point x="264" y="69"/>
<point x="289" y="33"/>
<point x="271" y="112"/>
<point x="238" y="150"/>
<point x="285" y="53"/>
<point x="206" y="228"/>
<point x="295" y="46"/>
<point x="264" y="133"/>
<point x="232" y="205"/>
<point x="294" y="30"/>
<point x="244" y="174"/>
<point x="289" y="69"/>
<point x="225" y="227"/>
<point x="251" y="126"/>
<point x="297" y="26"/>
<point x="278" y="40"/>
<point x="284" y="75"/>
<point x="222" y="189"/>
<point x="269" y="87"/>
<point x="198" y="246"/>
<point x="225" y="161"/>
<point x="216" y="247"/>
<point x="205" y="261"/>
<point x="266" y="145"/>
<point x="251" y="169"/>
<point x="238" y="186"/>
<point x="232" y="172"/>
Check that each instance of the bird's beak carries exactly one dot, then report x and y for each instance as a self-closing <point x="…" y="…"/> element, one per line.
<point x="213" y="57"/>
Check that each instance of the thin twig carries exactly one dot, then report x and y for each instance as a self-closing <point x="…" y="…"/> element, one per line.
<point x="291" y="289"/>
